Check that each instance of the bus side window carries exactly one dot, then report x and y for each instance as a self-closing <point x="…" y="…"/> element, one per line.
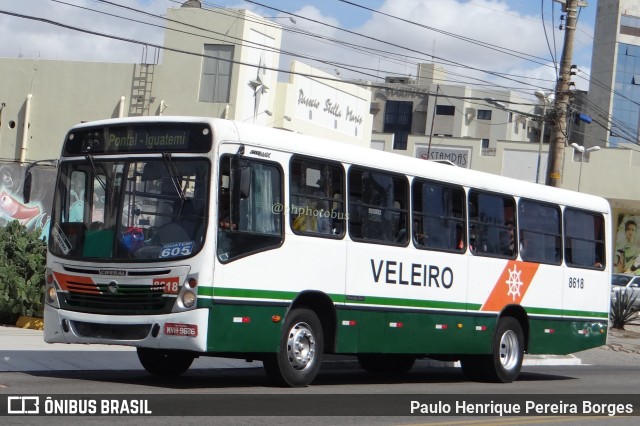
<point x="584" y="239"/>
<point x="254" y="225"/>
<point x="378" y="206"/>
<point x="316" y="206"/>
<point x="540" y="231"/>
<point x="438" y="216"/>
<point x="492" y="222"/>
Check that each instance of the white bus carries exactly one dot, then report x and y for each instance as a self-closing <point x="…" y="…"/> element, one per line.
<point x="189" y="237"/>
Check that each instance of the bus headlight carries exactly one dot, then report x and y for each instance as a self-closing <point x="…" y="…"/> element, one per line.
<point x="51" y="296"/>
<point x="188" y="299"/>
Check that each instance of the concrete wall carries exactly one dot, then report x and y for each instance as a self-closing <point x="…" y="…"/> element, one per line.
<point x="58" y="101"/>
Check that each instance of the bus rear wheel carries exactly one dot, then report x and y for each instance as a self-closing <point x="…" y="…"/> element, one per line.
<point x="386" y="363"/>
<point x="504" y="363"/>
<point x="165" y="363"/>
<point x="301" y="346"/>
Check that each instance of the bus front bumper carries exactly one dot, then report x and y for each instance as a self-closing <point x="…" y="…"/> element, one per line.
<point x="182" y="330"/>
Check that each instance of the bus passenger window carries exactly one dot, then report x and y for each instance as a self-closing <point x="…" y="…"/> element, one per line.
<point x="540" y="232"/>
<point x="491" y="222"/>
<point x="316" y="207"/>
<point x="584" y="239"/>
<point x="378" y="206"/>
<point x="438" y="216"/>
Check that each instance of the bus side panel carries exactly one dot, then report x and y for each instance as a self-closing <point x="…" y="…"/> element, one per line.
<point x="406" y="298"/>
<point x="586" y="293"/>
<point x="244" y="328"/>
<point x="264" y="284"/>
<point x="427" y="332"/>
<point x="554" y="337"/>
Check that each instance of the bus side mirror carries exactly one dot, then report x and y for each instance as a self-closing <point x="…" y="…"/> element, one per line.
<point x="26" y="187"/>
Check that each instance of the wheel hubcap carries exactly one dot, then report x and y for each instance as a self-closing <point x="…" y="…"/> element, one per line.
<point x="301" y="346"/>
<point x="509" y="350"/>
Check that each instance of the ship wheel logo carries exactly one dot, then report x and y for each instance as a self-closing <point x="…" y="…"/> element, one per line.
<point x="514" y="282"/>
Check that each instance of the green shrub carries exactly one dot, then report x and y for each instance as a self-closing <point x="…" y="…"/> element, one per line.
<point x="623" y="309"/>
<point x="22" y="270"/>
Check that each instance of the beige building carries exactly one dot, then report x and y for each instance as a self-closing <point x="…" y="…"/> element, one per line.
<point x="203" y="71"/>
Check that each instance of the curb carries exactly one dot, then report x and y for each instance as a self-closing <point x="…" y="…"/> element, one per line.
<point x="30" y="322"/>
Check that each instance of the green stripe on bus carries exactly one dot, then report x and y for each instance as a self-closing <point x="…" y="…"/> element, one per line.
<point x="388" y="302"/>
<point x="566" y="313"/>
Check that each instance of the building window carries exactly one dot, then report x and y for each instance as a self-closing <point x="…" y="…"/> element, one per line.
<point x="630" y="21"/>
<point x="215" y="82"/>
<point x="397" y="120"/>
<point x="445" y="110"/>
<point x="630" y="25"/>
<point x="485" y="143"/>
<point x="484" y="114"/>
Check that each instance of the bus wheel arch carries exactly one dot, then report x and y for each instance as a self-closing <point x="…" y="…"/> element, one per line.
<point x="519" y="314"/>
<point x="324" y="308"/>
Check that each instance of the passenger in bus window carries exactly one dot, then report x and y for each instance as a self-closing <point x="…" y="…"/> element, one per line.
<point x="225" y="211"/>
<point x="322" y="207"/>
<point x="509" y="250"/>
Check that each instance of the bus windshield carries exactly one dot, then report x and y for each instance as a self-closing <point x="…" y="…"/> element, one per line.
<point x="119" y="210"/>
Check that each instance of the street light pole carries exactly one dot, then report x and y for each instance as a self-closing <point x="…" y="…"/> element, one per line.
<point x="582" y="151"/>
<point x="544" y="98"/>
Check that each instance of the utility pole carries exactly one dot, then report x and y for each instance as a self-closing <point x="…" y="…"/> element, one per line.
<point x="558" y="140"/>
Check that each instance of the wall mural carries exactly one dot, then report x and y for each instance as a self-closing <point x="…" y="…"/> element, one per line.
<point x="36" y="214"/>
<point x="627" y="244"/>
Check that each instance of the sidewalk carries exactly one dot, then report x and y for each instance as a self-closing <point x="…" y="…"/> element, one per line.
<point x="24" y="349"/>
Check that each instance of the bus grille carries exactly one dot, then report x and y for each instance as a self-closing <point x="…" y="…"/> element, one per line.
<point x="127" y="299"/>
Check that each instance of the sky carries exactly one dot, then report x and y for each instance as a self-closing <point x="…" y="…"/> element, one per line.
<point x="478" y="41"/>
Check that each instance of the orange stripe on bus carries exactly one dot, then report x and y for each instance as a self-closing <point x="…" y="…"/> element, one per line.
<point x="511" y="286"/>
<point x="78" y="283"/>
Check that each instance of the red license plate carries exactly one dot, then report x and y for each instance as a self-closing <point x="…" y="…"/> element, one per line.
<point x="173" y="329"/>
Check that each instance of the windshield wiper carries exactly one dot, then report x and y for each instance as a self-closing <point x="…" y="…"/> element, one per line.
<point x="171" y="168"/>
<point x="95" y="172"/>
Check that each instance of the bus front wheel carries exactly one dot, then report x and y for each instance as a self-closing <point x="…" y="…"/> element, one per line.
<point x="164" y="363"/>
<point x="301" y="346"/>
<point x="504" y="363"/>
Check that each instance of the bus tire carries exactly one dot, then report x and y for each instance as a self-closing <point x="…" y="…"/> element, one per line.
<point x="298" y="359"/>
<point x="386" y="363"/>
<point x="504" y="363"/>
<point x="165" y="363"/>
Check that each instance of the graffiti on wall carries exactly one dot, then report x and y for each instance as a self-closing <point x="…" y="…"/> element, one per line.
<point x="34" y="215"/>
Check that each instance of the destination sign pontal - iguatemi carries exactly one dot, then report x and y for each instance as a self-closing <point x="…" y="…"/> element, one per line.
<point x="165" y="137"/>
